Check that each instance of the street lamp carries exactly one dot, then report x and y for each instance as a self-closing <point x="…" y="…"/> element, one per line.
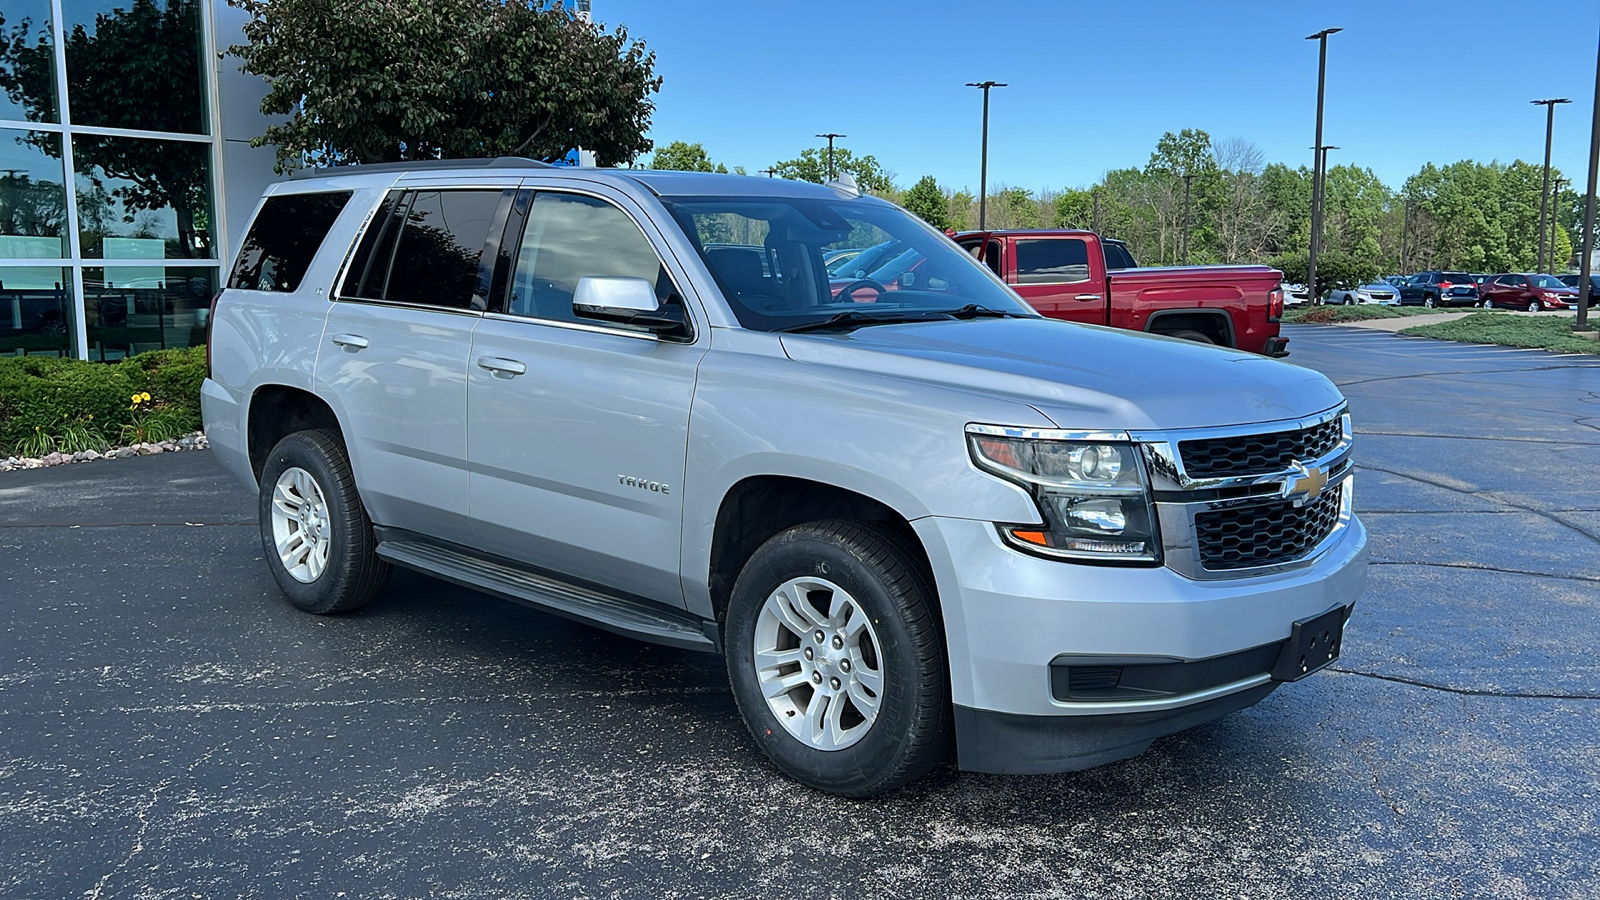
<point x="1321" y="38"/>
<point x="1183" y="254"/>
<point x="983" y="166"/>
<point x="830" y="136"/>
<point x="767" y="172"/>
<point x="1555" y="216"/>
<point x="1544" y="189"/>
<point x="1319" y="178"/>
<point x="1586" y="270"/>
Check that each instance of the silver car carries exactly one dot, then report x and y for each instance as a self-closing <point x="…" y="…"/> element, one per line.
<point x="1378" y="293"/>
<point x="912" y="516"/>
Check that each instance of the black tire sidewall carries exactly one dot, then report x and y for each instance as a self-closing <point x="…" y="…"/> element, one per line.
<point x="306" y="451"/>
<point x="868" y="766"/>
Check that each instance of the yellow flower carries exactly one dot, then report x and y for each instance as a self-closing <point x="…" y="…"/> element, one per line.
<point x="136" y="398"/>
<point x="145" y="396"/>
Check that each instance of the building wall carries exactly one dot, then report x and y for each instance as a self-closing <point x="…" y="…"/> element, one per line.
<point x="126" y="175"/>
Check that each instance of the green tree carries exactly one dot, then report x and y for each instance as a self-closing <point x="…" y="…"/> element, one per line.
<point x="684" y="157"/>
<point x="927" y="199"/>
<point x="1335" y="269"/>
<point x="446" y="79"/>
<point x="812" y="166"/>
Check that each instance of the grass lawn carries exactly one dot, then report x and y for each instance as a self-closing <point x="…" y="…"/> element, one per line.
<point x="1512" y="330"/>
<point x="1328" y="314"/>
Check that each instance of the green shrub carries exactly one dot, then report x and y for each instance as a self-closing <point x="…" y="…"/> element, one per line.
<point x="71" y="405"/>
<point x="1511" y="330"/>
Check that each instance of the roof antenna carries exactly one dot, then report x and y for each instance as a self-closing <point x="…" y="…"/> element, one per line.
<point x="845" y="186"/>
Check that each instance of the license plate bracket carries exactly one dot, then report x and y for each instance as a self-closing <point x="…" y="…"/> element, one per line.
<point x="1313" y="644"/>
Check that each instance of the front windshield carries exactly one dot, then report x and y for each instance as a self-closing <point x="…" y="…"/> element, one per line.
<point x="1546" y="281"/>
<point x="912" y="270"/>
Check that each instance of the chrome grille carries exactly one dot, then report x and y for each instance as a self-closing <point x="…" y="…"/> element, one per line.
<point x="1265" y="534"/>
<point x="1258" y="453"/>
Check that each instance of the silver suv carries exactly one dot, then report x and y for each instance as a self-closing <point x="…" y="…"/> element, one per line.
<point x="913" y="516"/>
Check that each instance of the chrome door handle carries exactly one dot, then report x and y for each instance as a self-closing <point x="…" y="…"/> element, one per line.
<point x="508" y="368"/>
<point x="1087" y="297"/>
<point x="350" y="341"/>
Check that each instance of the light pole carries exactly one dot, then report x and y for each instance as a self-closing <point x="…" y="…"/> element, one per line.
<point x="767" y="172"/>
<point x="1321" y="38"/>
<point x="1555" y="216"/>
<point x="1544" y="189"/>
<point x="830" y="136"/>
<point x="1183" y="254"/>
<point x="983" y="166"/>
<point x="1586" y="269"/>
<point x="1319" y="178"/>
<point x="1405" y="230"/>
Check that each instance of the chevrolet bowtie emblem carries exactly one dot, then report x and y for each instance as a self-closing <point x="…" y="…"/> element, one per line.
<point x="1304" y="485"/>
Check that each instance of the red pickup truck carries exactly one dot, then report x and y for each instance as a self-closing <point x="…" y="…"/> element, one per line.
<point x="1064" y="274"/>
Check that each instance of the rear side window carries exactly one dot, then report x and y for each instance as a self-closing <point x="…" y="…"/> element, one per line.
<point x="1052" y="261"/>
<point x="426" y="248"/>
<point x="283" y="239"/>
<point x="1118" y="257"/>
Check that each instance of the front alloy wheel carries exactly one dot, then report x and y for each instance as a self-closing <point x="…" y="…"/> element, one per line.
<point x="818" y="663"/>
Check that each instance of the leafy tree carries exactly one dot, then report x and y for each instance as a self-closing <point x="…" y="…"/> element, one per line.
<point x="683" y="157"/>
<point x="376" y="80"/>
<point x="926" y="199"/>
<point x="1335" y="269"/>
<point x="812" y="166"/>
<point x="1073" y="209"/>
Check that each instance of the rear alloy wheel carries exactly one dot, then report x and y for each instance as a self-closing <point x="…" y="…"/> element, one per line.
<point x="1428" y="303"/>
<point x="315" y="532"/>
<point x="836" y="658"/>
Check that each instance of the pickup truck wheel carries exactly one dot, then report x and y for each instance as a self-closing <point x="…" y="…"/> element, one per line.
<point x="1187" y="335"/>
<point x="314" y="529"/>
<point x="836" y="658"/>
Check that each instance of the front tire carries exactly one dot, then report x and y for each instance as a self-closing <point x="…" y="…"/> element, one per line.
<point x="1533" y="306"/>
<point x="836" y="658"/>
<point x="314" y="529"/>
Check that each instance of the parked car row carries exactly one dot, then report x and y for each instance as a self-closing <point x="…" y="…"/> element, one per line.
<point x="1529" y="291"/>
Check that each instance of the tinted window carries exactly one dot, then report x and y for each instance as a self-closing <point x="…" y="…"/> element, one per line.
<point x="282" y="240"/>
<point x="1457" y="278"/>
<point x="437" y="256"/>
<point x="568" y="237"/>
<point x="1052" y="261"/>
<point x="1118" y="257"/>
<point x="369" y="268"/>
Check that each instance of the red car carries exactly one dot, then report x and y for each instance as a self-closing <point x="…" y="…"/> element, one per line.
<point x="1071" y="274"/>
<point x="1533" y="293"/>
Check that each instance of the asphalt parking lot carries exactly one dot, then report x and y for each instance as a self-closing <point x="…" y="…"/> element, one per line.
<point x="169" y="727"/>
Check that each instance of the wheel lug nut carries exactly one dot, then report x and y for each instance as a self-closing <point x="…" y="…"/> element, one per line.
<point x="844" y="665"/>
<point x="816" y="677"/>
<point x="838" y="642"/>
<point x="835" y="683"/>
<point x="811" y="654"/>
<point x="820" y="636"/>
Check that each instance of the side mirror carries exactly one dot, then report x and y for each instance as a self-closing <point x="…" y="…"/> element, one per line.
<point x="627" y="301"/>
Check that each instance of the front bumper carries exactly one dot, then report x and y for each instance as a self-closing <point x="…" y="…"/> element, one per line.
<point x="1008" y="615"/>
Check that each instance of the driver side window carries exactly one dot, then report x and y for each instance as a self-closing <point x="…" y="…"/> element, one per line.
<point x="568" y="237"/>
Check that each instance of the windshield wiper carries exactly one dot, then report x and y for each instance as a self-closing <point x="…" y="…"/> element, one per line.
<point x="974" y="311"/>
<point x="852" y="319"/>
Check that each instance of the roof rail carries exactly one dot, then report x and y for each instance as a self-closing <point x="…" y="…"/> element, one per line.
<point x="424" y="165"/>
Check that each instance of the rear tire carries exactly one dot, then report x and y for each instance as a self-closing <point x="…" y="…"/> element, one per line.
<point x="1428" y="303"/>
<point x="1189" y="335"/>
<point x="314" y="529"/>
<point x="866" y="708"/>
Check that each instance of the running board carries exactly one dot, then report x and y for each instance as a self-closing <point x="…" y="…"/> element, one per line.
<point x="639" y="619"/>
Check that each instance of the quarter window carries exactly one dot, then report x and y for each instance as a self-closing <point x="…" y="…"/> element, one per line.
<point x="1052" y="261"/>
<point x="283" y="239"/>
<point x="568" y="237"/>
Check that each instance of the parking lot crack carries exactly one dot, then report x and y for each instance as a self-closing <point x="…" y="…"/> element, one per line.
<point x="1414" y="375"/>
<point x="1492" y="496"/>
<point x="1463" y="692"/>
<point x="1479" y="567"/>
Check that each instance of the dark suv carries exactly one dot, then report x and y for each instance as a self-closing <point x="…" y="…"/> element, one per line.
<point x="1440" y="289"/>
<point x="1571" y="281"/>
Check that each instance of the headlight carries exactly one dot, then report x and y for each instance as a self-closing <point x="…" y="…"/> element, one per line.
<point x="1091" y="495"/>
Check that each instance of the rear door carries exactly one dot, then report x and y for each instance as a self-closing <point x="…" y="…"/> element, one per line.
<point x="1061" y="276"/>
<point x="578" y="429"/>
<point x="394" y="354"/>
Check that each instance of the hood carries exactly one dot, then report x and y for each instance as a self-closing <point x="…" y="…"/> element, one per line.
<point x="1082" y="377"/>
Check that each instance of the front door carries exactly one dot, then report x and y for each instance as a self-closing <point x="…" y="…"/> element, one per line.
<point x="578" y="429"/>
<point x="1056" y="277"/>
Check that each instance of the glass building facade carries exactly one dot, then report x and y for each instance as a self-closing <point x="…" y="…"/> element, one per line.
<point x="114" y="147"/>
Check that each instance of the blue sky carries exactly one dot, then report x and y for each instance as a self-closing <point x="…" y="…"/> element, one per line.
<point x="1094" y="85"/>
